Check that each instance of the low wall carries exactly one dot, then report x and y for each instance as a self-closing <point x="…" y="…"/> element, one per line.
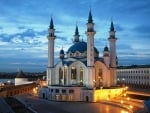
<point x="105" y="94"/>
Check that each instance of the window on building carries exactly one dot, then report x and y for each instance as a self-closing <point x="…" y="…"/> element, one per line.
<point x="63" y="91"/>
<point x="51" y="90"/>
<point x="73" y="73"/>
<point x="57" y="90"/>
<point x="81" y="76"/>
<point x="77" y="53"/>
<point x="147" y="71"/>
<point x="71" y="91"/>
<point x="100" y="76"/>
<point x="60" y="76"/>
<point x="65" y="74"/>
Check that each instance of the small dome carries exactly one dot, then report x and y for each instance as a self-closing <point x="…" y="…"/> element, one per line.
<point x="106" y="48"/>
<point x="61" y="54"/>
<point x="62" y="51"/>
<point x="81" y="47"/>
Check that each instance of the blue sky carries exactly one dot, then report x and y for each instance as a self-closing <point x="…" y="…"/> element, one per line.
<point x="24" y="24"/>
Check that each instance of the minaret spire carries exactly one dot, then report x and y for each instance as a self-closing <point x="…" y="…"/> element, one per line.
<point x="76" y="35"/>
<point x="76" y="30"/>
<point x="51" y="24"/>
<point x="112" y="42"/>
<point x="51" y="29"/>
<point x="90" y="20"/>
<point x="112" y="26"/>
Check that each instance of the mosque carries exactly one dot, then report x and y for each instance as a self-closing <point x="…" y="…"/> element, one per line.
<point x="80" y="74"/>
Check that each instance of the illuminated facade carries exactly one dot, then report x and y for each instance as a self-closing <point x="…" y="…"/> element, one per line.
<point x="80" y="74"/>
<point x="137" y="76"/>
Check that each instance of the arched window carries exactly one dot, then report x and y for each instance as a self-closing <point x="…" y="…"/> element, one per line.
<point x="73" y="73"/>
<point x="60" y="76"/>
<point x="65" y="74"/>
<point x="100" y="77"/>
<point x="81" y="76"/>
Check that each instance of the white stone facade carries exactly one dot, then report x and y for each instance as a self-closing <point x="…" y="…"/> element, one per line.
<point x="82" y="73"/>
<point x="137" y="76"/>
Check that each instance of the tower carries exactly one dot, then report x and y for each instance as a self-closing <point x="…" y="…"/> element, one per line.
<point x="61" y="54"/>
<point x="51" y="38"/>
<point x="106" y="56"/>
<point x="112" y="43"/>
<point x="76" y="35"/>
<point x="90" y="51"/>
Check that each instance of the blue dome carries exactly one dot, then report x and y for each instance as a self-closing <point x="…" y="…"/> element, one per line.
<point x="80" y="46"/>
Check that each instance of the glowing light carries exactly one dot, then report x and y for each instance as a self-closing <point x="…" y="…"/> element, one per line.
<point x="34" y="90"/>
<point x="125" y="94"/>
<point x="124" y="111"/>
<point x="107" y="98"/>
<point x="121" y="101"/>
<point x="126" y="87"/>
<point x="123" y="79"/>
<point x="128" y="98"/>
<point x="131" y="106"/>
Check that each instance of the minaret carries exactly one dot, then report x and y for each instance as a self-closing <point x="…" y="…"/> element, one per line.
<point x="90" y="51"/>
<point x="112" y="43"/>
<point x="76" y="35"/>
<point x="106" y="56"/>
<point x="61" y="54"/>
<point x="51" y="38"/>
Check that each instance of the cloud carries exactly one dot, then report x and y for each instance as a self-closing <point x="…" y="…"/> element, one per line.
<point x="118" y="28"/>
<point x="143" y="29"/>
<point x="24" y="28"/>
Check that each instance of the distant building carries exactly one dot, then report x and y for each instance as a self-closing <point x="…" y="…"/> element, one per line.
<point x="21" y="79"/>
<point x="137" y="76"/>
<point x="80" y="74"/>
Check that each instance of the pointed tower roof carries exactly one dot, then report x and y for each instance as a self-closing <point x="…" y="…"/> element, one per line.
<point x="76" y="30"/>
<point x="51" y="24"/>
<point x="20" y="74"/>
<point x="90" y="20"/>
<point x="62" y="51"/>
<point x="76" y="35"/>
<point x="112" y="26"/>
<point x="106" y="48"/>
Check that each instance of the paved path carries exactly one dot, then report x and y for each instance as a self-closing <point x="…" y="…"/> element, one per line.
<point x="4" y="107"/>
<point x="45" y="106"/>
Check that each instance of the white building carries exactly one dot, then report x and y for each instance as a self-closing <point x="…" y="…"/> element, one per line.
<point x="137" y="76"/>
<point x="21" y="79"/>
<point x="81" y="74"/>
